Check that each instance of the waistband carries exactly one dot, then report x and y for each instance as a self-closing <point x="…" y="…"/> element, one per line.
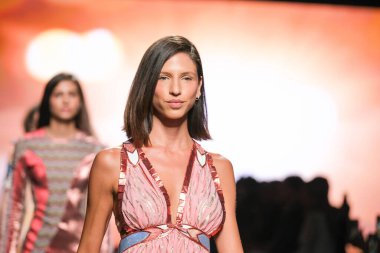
<point x="142" y="236"/>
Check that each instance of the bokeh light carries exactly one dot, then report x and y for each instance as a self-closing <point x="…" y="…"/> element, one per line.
<point x="94" y="56"/>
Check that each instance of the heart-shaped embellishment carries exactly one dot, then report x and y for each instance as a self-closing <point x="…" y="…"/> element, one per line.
<point x="133" y="157"/>
<point x="201" y="158"/>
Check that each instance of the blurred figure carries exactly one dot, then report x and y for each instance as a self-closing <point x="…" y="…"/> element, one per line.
<point x="324" y="228"/>
<point x="290" y="220"/>
<point x="29" y="124"/>
<point x="296" y="217"/>
<point x="373" y="241"/>
<point x="249" y="213"/>
<point x="355" y="237"/>
<point x="53" y="164"/>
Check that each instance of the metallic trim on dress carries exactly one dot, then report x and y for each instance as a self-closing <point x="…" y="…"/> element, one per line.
<point x="216" y="179"/>
<point x="120" y="222"/>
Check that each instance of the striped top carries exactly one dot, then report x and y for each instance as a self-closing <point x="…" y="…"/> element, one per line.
<point x="57" y="171"/>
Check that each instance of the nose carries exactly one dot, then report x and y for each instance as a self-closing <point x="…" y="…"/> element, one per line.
<point x="66" y="99"/>
<point x="175" y="87"/>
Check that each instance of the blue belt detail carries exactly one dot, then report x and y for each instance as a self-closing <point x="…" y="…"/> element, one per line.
<point x="204" y="240"/>
<point x="131" y="240"/>
<point x="138" y="237"/>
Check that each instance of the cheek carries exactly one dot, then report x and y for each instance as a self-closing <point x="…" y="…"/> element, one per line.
<point x="53" y="103"/>
<point x="158" y="95"/>
<point x="192" y="91"/>
<point x="155" y="102"/>
<point x="77" y="104"/>
<point x="159" y="91"/>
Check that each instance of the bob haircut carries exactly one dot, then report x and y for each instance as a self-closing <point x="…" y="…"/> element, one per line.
<point x="82" y="121"/>
<point x="138" y="112"/>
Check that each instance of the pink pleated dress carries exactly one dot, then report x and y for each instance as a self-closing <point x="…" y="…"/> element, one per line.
<point x="143" y="211"/>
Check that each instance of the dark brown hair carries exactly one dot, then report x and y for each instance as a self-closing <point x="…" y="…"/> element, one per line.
<point x="31" y="119"/>
<point x="139" y="110"/>
<point x="82" y="121"/>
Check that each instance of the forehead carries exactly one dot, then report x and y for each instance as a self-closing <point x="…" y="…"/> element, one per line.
<point x="66" y="85"/>
<point x="180" y="62"/>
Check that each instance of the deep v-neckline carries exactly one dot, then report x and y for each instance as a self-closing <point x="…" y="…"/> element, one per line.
<point x="184" y="189"/>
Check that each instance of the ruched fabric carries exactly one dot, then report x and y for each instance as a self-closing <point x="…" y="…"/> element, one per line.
<point x="143" y="212"/>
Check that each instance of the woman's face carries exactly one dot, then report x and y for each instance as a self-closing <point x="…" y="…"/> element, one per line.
<point x="177" y="88"/>
<point x="65" y="101"/>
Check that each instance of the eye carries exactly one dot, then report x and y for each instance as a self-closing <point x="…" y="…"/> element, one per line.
<point x="57" y="94"/>
<point x="187" y="78"/>
<point x="162" y="77"/>
<point x="73" y="94"/>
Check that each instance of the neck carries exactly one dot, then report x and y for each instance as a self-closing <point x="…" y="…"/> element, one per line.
<point x="59" y="129"/>
<point x="173" y="136"/>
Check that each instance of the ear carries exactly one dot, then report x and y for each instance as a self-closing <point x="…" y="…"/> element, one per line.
<point x="199" y="87"/>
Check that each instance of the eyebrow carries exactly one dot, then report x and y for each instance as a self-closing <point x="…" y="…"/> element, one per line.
<point x="183" y="73"/>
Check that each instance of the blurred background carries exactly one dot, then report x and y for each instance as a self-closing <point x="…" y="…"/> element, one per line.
<point x="293" y="88"/>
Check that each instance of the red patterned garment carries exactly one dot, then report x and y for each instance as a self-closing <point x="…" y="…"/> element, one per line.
<point x="143" y="212"/>
<point x="57" y="171"/>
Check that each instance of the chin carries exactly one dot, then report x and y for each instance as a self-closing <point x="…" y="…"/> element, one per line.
<point x="172" y="118"/>
<point x="172" y="115"/>
<point x="64" y="118"/>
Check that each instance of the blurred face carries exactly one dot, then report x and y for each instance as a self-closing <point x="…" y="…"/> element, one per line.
<point x="177" y="88"/>
<point x="65" y="101"/>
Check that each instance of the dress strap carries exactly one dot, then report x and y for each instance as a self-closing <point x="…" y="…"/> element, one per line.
<point x="204" y="158"/>
<point x="128" y="152"/>
<point x="218" y="187"/>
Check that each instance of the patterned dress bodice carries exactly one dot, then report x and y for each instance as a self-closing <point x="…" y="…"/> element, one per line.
<point x="143" y="213"/>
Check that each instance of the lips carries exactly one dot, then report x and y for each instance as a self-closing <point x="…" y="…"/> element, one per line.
<point x="66" y="110"/>
<point x="175" y="103"/>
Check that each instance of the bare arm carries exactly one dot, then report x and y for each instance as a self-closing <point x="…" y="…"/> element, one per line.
<point x="228" y="239"/>
<point x="102" y="188"/>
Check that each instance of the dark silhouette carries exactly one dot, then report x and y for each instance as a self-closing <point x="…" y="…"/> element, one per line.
<point x="293" y="216"/>
<point x="324" y="229"/>
<point x="289" y="224"/>
<point x="372" y="245"/>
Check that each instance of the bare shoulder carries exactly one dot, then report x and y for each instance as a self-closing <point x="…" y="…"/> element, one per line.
<point x="108" y="158"/>
<point x="224" y="168"/>
<point x="221" y="163"/>
<point x="226" y="175"/>
<point x="106" y="167"/>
